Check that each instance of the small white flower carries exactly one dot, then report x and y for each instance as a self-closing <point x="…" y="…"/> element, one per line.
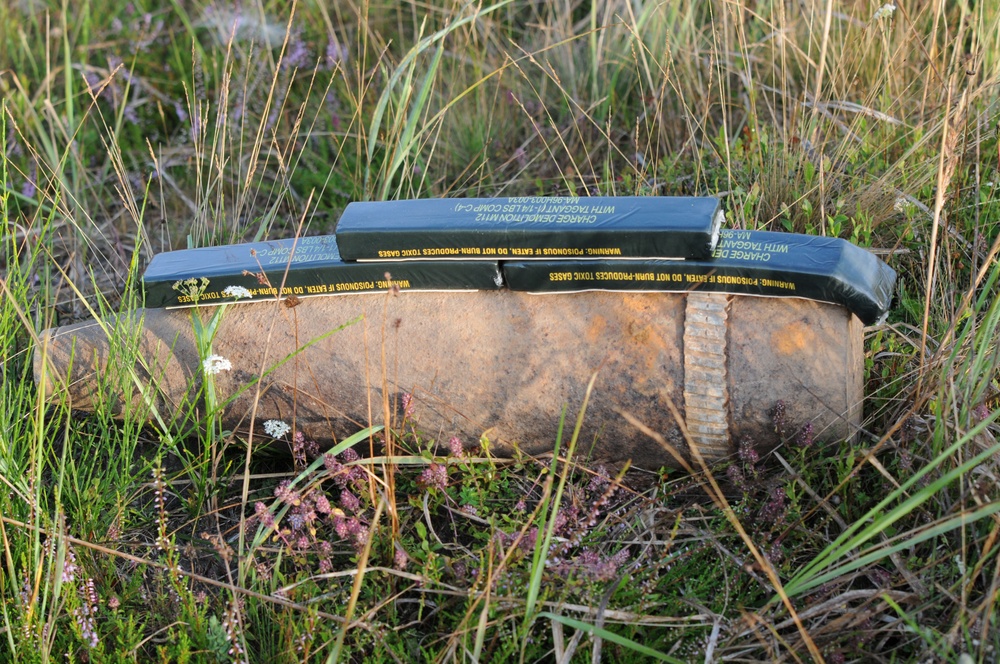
<point x="214" y="364"/>
<point x="237" y="292"/>
<point x="885" y="11"/>
<point x="276" y="428"/>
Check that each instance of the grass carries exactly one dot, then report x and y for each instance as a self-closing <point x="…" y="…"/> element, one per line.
<point x="131" y="128"/>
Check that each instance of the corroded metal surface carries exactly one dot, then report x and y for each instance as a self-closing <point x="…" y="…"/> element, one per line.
<point x="500" y="363"/>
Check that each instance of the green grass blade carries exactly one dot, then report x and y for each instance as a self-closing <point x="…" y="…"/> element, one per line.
<point x="404" y="146"/>
<point x="873" y="523"/>
<point x="625" y="642"/>
<point x="405" y="68"/>
<point x="903" y="543"/>
<point x="541" y="550"/>
<point x="543" y="544"/>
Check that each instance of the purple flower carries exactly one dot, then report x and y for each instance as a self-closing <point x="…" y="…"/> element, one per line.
<point x="130" y="114"/>
<point x="529" y="540"/>
<point x="748" y="453"/>
<point x="90" y="594"/>
<point x="264" y="515"/>
<point x="340" y="525"/>
<point x="286" y="494"/>
<point x="13" y="146"/>
<point x="343" y="474"/>
<point x="599" y="481"/>
<point x="408" y="406"/>
<point x="349" y="501"/>
<point x="332" y="107"/>
<point x="591" y="565"/>
<point x="322" y="504"/>
<point x="805" y="437"/>
<point x="779" y="416"/>
<point x="735" y="475"/>
<point x="93" y="82"/>
<point x="358" y="476"/>
<point x="435" y="476"/>
<point x="905" y="460"/>
<point x="84" y="614"/>
<point x="312" y="448"/>
<point x="399" y="558"/>
<point x="336" y="469"/>
<point x="25" y="593"/>
<point x="455" y="447"/>
<point x="774" y="511"/>
<point x="566" y="519"/>
<point x="297" y="56"/>
<point x="230" y="623"/>
<point x="521" y="157"/>
<point x="335" y="53"/>
<point x="238" y="109"/>
<point x="69" y="566"/>
<point x="29" y="187"/>
<point x="299" y="450"/>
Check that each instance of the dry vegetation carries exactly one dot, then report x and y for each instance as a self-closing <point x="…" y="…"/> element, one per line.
<point x="129" y="128"/>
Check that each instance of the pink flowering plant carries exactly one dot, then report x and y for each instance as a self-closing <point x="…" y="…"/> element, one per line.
<point x="327" y="504"/>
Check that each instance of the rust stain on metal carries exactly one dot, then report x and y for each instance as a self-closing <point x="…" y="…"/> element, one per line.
<point x="596" y="328"/>
<point x="796" y="337"/>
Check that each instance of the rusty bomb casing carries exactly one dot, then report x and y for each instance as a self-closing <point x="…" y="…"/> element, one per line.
<point x="498" y="363"/>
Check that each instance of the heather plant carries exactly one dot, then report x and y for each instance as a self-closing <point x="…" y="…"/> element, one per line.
<point x="130" y="128"/>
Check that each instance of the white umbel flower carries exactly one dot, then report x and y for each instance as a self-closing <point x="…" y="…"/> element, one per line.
<point x="885" y="11"/>
<point x="237" y="292"/>
<point x="214" y="364"/>
<point x="276" y="428"/>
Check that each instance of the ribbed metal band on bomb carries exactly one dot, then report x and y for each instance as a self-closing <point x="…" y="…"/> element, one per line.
<point x="706" y="393"/>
